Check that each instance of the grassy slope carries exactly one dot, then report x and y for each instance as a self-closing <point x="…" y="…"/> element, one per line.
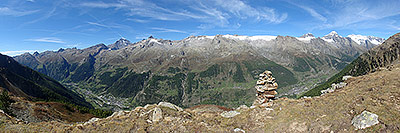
<point x="331" y="112"/>
<point x="33" y="84"/>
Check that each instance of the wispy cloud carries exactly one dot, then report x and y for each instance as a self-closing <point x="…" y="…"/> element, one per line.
<point x="312" y="12"/>
<point x="11" y="12"/>
<point x="47" y="40"/>
<point x="138" y="20"/>
<point x="97" y="24"/>
<point x="103" y="5"/>
<point x="212" y="12"/>
<point x="243" y="10"/>
<point x="169" y="30"/>
<point x="17" y="52"/>
<point x="44" y="17"/>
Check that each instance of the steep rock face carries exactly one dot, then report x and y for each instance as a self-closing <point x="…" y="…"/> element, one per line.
<point x="197" y="69"/>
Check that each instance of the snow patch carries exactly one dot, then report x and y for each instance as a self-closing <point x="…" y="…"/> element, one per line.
<point x="251" y="38"/>
<point x="328" y="40"/>
<point x="154" y="41"/>
<point x="305" y="39"/>
<point x="359" y="39"/>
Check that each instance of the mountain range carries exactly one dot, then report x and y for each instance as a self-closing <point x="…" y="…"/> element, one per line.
<point x="369" y="102"/>
<point x="217" y="69"/>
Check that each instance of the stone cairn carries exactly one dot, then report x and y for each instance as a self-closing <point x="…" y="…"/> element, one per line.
<point x="266" y="89"/>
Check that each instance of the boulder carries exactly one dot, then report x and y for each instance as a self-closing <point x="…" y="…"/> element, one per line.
<point x="242" y="108"/>
<point x="157" y="114"/>
<point x="346" y="77"/>
<point x="229" y="114"/>
<point x="170" y="105"/>
<point x="364" y="120"/>
<point x="94" y="119"/>
<point x="238" y="130"/>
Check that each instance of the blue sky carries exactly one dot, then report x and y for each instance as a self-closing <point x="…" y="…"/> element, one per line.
<point x="39" y="25"/>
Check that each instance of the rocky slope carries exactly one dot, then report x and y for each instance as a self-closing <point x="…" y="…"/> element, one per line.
<point x="380" y="57"/>
<point x="194" y="70"/>
<point x="333" y="112"/>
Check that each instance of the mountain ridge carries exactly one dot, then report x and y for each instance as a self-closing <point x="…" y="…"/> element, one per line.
<point x="377" y="58"/>
<point x="225" y="57"/>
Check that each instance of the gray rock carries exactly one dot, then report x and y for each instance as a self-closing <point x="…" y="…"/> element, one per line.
<point x="346" y="77"/>
<point x="242" y="108"/>
<point x="364" y="120"/>
<point x="1" y="111"/>
<point x="94" y="119"/>
<point x="238" y="130"/>
<point x="229" y="114"/>
<point x="157" y="114"/>
<point x="170" y="105"/>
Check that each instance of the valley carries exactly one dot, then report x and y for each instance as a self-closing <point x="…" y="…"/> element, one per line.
<point x="240" y="66"/>
<point x="195" y="70"/>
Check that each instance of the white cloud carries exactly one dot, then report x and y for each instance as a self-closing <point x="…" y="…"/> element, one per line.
<point x="138" y="20"/>
<point x="18" y="52"/>
<point x="313" y="13"/>
<point x="47" y="39"/>
<point x="243" y="10"/>
<point x="211" y="12"/>
<point x="168" y="30"/>
<point x="102" y="5"/>
<point x="97" y="24"/>
<point x="11" y="12"/>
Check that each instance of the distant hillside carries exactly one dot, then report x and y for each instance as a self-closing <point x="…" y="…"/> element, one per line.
<point x="382" y="56"/>
<point x="24" y="82"/>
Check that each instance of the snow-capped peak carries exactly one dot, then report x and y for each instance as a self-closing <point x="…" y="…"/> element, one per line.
<point x="123" y="41"/>
<point x="306" y="37"/>
<point x="330" y="37"/>
<point x="360" y="39"/>
<point x="332" y="33"/>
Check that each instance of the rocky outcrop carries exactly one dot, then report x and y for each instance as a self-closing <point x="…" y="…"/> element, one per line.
<point x="364" y="120"/>
<point x="266" y="89"/>
<point x="333" y="87"/>
<point x="229" y="114"/>
<point x="170" y="105"/>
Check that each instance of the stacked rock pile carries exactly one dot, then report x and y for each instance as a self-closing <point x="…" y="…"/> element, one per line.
<point x="266" y="89"/>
